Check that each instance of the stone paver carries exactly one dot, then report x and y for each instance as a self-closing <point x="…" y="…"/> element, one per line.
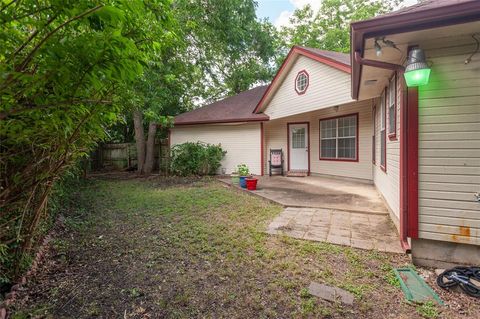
<point x="337" y="227"/>
<point x="330" y="293"/>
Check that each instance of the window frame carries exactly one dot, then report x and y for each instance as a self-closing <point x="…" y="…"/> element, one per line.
<point x="302" y="72"/>
<point x="374" y="136"/>
<point x="356" y="159"/>
<point x="392" y="131"/>
<point x="383" y="127"/>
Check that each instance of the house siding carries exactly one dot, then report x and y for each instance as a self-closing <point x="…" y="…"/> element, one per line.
<point x="327" y="87"/>
<point x="276" y="135"/>
<point x="449" y="144"/>
<point x="241" y="141"/>
<point x="387" y="181"/>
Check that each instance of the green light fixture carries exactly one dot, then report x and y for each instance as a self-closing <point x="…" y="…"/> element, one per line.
<point x="417" y="72"/>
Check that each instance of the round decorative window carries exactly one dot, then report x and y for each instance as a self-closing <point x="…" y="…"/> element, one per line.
<point x="301" y="82"/>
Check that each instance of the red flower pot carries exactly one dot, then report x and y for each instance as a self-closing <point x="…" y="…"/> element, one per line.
<point x="251" y="184"/>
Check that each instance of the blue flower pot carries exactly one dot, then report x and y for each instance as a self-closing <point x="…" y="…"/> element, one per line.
<point x="243" y="182"/>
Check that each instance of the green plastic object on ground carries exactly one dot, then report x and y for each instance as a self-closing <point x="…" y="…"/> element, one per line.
<point x="414" y="287"/>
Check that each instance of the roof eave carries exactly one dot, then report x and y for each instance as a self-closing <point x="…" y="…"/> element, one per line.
<point x="407" y="22"/>
<point x="237" y="120"/>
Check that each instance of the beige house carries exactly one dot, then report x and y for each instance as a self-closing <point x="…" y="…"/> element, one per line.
<point x="353" y="116"/>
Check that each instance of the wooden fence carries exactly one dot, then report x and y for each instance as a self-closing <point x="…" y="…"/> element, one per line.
<point x="123" y="156"/>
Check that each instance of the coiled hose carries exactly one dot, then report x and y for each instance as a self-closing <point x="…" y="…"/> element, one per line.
<point x="461" y="276"/>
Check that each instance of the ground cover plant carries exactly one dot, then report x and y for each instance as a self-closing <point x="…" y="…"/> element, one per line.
<point x="194" y="248"/>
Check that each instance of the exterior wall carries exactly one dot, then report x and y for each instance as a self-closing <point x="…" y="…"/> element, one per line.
<point x="241" y="141"/>
<point x="275" y="133"/>
<point x="387" y="181"/>
<point x="327" y="87"/>
<point x="449" y="144"/>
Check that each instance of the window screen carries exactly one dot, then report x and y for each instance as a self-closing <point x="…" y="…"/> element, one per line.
<point x="391" y="107"/>
<point x="338" y="138"/>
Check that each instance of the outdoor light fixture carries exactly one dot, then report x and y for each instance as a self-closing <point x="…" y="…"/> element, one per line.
<point x="417" y="71"/>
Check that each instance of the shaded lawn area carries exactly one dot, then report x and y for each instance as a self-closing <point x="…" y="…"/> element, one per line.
<point x="136" y="248"/>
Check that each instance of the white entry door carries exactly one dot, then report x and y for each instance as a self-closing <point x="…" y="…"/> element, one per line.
<point x="298" y="144"/>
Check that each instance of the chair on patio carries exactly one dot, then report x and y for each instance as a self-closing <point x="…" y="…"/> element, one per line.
<point x="276" y="160"/>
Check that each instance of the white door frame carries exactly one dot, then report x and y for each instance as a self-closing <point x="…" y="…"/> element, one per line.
<point x="307" y="144"/>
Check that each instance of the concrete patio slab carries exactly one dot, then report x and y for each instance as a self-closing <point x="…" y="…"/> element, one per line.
<point x="321" y="192"/>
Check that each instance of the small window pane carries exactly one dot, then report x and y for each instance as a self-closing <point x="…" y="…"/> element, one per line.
<point x="382" y="147"/>
<point x="298" y="138"/>
<point x="382" y="111"/>
<point x="329" y="148"/>
<point x="391" y="117"/>
<point x="302" y="82"/>
<point x="346" y="148"/>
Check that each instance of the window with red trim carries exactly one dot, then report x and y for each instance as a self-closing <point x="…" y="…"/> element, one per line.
<point x="338" y="138"/>
<point x="392" y="108"/>
<point x="383" y="133"/>
<point x="301" y="82"/>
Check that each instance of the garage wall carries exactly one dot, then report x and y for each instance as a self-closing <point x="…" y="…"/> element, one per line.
<point x="276" y="137"/>
<point x="241" y="141"/>
<point x="449" y="143"/>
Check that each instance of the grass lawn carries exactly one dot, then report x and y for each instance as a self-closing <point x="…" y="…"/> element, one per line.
<point x="137" y="248"/>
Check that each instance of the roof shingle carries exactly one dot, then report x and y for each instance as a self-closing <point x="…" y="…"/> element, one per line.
<point x="237" y="108"/>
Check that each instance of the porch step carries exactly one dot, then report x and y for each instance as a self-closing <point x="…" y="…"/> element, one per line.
<point x="297" y="173"/>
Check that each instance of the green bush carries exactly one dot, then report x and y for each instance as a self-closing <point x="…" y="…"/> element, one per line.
<point x="196" y="158"/>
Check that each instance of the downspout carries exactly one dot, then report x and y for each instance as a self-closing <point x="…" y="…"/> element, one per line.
<point x="403" y="147"/>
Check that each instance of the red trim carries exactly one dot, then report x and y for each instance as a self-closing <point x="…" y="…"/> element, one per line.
<point x="374" y="137"/>
<point x="235" y="120"/>
<point x="296" y="79"/>
<point x="262" y="159"/>
<point x="384" y="141"/>
<point x="325" y="59"/>
<point x="288" y="143"/>
<point x="297" y="50"/>
<point x="412" y="162"/>
<point x="393" y="136"/>
<point x="356" y="140"/>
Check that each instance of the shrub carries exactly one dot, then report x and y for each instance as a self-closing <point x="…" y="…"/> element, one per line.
<point x="196" y="158"/>
<point x="243" y="170"/>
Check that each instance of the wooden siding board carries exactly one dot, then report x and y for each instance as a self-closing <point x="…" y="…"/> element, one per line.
<point x="242" y="142"/>
<point x="327" y="87"/>
<point x="449" y="144"/>
<point x="276" y="137"/>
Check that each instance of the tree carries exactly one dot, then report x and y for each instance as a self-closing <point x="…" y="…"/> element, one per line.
<point x="231" y="48"/>
<point x="329" y="28"/>
<point x="220" y="49"/>
<point x="63" y="68"/>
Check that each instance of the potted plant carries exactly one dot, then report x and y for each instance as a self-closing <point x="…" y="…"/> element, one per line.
<point x="243" y="171"/>
<point x="235" y="178"/>
<point x="251" y="183"/>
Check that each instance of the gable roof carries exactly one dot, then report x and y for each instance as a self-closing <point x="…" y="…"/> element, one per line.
<point x="338" y="60"/>
<point x="342" y="58"/>
<point x="428" y="14"/>
<point x="237" y="108"/>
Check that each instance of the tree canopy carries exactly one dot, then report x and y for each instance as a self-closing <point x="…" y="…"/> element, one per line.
<point x="329" y="28"/>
